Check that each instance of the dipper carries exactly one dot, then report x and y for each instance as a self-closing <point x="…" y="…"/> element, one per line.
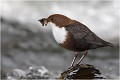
<point x="73" y="35"/>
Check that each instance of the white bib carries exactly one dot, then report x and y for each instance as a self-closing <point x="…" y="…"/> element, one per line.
<point x="60" y="34"/>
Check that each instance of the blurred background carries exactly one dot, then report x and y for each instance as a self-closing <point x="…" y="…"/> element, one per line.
<point x="25" y="43"/>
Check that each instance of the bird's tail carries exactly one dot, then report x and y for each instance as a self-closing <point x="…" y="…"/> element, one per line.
<point x="109" y="44"/>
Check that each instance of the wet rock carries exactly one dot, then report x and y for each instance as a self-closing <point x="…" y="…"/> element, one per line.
<point x="82" y="71"/>
<point x="31" y="73"/>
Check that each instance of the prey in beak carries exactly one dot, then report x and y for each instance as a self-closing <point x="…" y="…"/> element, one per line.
<point x="43" y="21"/>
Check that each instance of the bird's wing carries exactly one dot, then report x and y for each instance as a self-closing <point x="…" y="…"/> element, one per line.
<point x="81" y="32"/>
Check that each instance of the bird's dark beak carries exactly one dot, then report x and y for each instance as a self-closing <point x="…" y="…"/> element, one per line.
<point x="43" y="21"/>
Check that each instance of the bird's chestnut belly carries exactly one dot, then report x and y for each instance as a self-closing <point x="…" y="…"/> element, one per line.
<point x="74" y="45"/>
<point x="70" y="44"/>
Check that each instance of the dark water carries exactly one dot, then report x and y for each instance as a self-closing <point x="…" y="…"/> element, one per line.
<point x="25" y="44"/>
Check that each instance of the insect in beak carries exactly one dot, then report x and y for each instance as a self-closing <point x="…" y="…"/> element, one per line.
<point x="43" y="21"/>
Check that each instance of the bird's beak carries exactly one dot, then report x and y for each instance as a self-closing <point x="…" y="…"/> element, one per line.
<point x="43" y="21"/>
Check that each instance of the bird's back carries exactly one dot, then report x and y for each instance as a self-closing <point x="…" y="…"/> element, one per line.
<point x="84" y="38"/>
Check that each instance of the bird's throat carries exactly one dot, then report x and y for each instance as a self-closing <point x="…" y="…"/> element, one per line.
<point x="59" y="33"/>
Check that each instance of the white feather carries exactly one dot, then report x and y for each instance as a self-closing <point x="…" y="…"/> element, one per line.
<point x="60" y="34"/>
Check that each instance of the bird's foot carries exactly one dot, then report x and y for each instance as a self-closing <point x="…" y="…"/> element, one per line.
<point x="70" y="67"/>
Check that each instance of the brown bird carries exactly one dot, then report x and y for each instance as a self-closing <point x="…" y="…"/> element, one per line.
<point x="73" y="35"/>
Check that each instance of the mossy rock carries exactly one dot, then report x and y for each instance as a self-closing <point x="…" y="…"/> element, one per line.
<point x="82" y="71"/>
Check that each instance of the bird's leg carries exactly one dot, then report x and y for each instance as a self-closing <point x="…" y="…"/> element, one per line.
<point x="73" y="61"/>
<point x="82" y="57"/>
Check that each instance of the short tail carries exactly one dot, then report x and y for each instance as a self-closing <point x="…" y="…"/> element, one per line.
<point x="110" y="44"/>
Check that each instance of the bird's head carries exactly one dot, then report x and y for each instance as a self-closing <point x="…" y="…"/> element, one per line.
<point x="57" y="19"/>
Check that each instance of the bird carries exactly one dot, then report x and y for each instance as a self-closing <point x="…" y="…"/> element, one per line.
<point x="73" y="35"/>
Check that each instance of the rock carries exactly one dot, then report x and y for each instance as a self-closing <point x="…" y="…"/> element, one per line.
<point x="82" y="71"/>
<point x="30" y="74"/>
<point x="16" y="74"/>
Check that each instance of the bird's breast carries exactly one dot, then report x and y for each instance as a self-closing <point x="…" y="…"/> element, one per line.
<point x="59" y="33"/>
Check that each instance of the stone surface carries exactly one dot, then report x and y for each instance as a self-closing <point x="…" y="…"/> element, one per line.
<point x="82" y="71"/>
<point x="30" y="74"/>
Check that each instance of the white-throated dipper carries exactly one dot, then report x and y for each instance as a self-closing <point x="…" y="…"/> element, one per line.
<point x="73" y="35"/>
